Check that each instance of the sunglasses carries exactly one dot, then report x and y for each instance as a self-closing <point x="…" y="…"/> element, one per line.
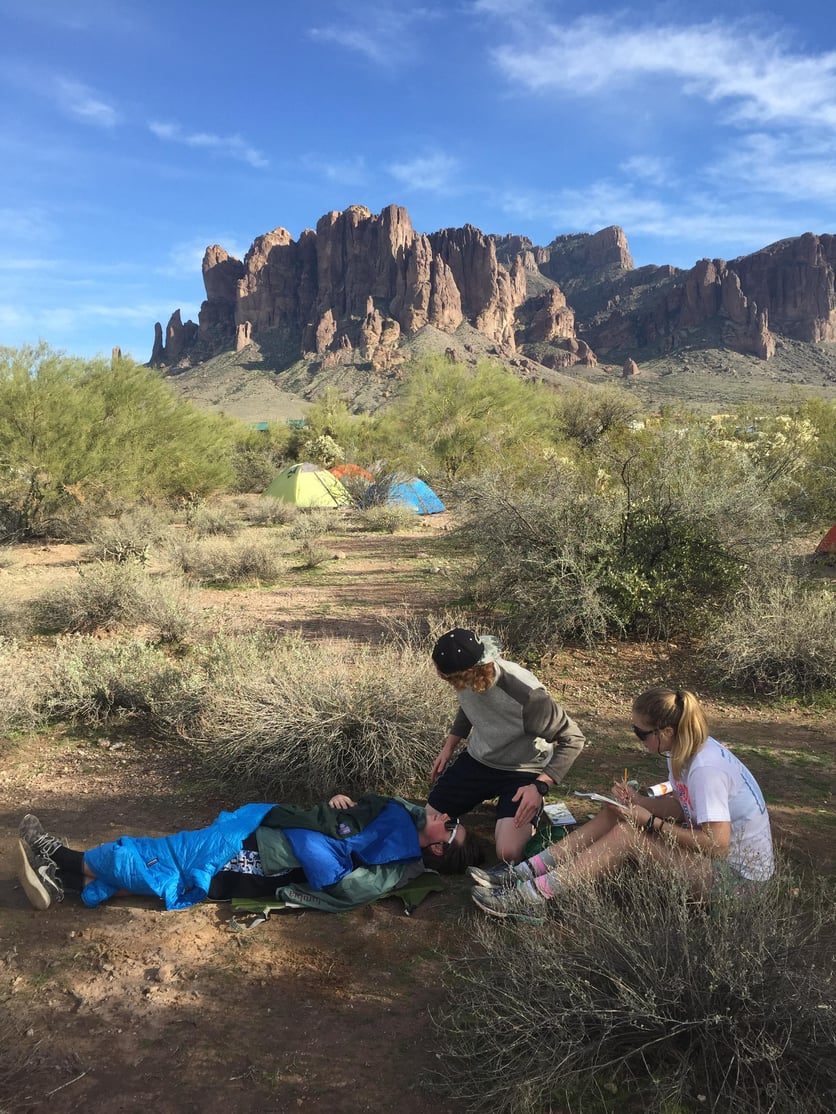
<point x="637" y="731"/>
<point x="452" y="826"/>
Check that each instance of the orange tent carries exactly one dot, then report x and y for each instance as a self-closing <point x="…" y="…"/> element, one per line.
<point x="351" y="472"/>
<point x="828" y="542"/>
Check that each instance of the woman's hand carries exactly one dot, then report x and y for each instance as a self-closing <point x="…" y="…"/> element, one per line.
<point x="631" y="812"/>
<point x="341" y="800"/>
<point x="624" y="794"/>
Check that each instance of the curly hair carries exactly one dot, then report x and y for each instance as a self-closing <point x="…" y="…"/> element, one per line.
<point x="478" y="677"/>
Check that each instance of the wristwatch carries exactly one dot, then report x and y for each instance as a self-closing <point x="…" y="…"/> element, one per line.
<point x="543" y="787"/>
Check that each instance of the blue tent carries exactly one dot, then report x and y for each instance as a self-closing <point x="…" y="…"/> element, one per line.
<point x="407" y="492"/>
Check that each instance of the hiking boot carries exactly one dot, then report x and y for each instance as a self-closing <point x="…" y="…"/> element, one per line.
<point x="494" y="877"/>
<point x="517" y="904"/>
<point x="38" y="877"/>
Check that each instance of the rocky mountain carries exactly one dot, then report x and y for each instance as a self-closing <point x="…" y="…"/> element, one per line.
<point x="360" y="288"/>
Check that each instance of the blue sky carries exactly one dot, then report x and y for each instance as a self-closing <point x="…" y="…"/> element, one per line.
<point x="133" y="133"/>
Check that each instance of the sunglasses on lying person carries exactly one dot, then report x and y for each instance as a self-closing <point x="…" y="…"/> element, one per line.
<point x="451" y="826"/>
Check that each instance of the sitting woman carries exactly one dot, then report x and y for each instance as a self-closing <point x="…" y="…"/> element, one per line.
<point x="715" y="823"/>
<point x="335" y="856"/>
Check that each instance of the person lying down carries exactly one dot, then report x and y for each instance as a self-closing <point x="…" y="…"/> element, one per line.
<point x="335" y="856"/>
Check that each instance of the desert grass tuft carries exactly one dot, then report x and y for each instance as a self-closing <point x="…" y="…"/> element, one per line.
<point x="307" y="719"/>
<point x="777" y="639"/>
<point x="633" y="996"/>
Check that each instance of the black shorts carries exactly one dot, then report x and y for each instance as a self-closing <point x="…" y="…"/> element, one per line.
<point x="466" y="783"/>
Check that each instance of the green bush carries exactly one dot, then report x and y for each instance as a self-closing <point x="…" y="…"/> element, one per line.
<point x="300" y="718"/>
<point x="651" y="542"/>
<point x="78" y="434"/>
<point x="779" y="638"/>
<point x="632" y="996"/>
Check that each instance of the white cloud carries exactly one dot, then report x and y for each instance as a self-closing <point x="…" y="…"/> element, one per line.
<point x="792" y="167"/>
<point x="383" y="33"/>
<point x="655" y="169"/>
<point x="95" y="16"/>
<point x="691" y="219"/>
<point x="185" y="259"/>
<point x="432" y="173"/>
<point x="344" y="172"/>
<point x="11" y="317"/>
<point x="227" y="146"/>
<point x="23" y="224"/>
<point x="80" y="101"/>
<point x="754" y="74"/>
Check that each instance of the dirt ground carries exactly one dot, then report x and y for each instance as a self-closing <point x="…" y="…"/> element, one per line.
<point x="127" y="1009"/>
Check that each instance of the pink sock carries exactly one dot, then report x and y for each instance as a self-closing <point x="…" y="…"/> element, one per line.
<point x="547" y="885"/>
<point x="535" y="866"/>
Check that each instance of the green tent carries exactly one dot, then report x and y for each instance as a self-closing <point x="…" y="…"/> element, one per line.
<point x="308" y="485"/>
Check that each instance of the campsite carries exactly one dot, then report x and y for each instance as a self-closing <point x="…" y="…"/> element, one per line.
<point x="126" y="1007"/>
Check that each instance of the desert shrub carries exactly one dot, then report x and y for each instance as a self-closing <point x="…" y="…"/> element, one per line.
<point x="102" y="594"/>
<point x="383" y="519"/>
<point x="633" y="991"/>
<point x="111" y="595"/>
<point x="131" y="535"/>
<point x="93" y="681"/>
<point x="292" y="717"/>
<point x="312" y="554"/>
<point x="258" y="456"/>
<point x="262" y="510"/>
<point x="221" y="561"/>
<point x="169" y="613"/>
<point x="314" y="522"/>
<point x="777" y="638"/>
<point x="208" y="521"/>
<point x="537" y="554"/>
<point x="649" y="543"/>
<point x="14" y="619"/>
<point x="22" y="686"/>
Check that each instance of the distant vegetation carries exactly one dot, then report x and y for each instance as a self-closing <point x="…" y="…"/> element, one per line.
<point x="577" y="517"/>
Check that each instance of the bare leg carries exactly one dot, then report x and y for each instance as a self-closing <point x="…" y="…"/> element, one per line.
<point x="588" y="833"/>
<point x="511" y="840"/>
<point x="623" y="842"/>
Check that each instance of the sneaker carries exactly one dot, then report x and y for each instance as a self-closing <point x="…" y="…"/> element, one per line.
<point x="495" y="876"/>
<point x="41" y="843"/>
<point x="37" y="870"/>
<point x="517" y="904"/>
<point x="37" y="877"/>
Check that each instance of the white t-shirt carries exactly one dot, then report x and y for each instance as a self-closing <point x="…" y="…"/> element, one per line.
<point x="717" y="786"/>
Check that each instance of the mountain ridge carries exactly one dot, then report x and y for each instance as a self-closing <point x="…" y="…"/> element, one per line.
<point x="361" y="290"/>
